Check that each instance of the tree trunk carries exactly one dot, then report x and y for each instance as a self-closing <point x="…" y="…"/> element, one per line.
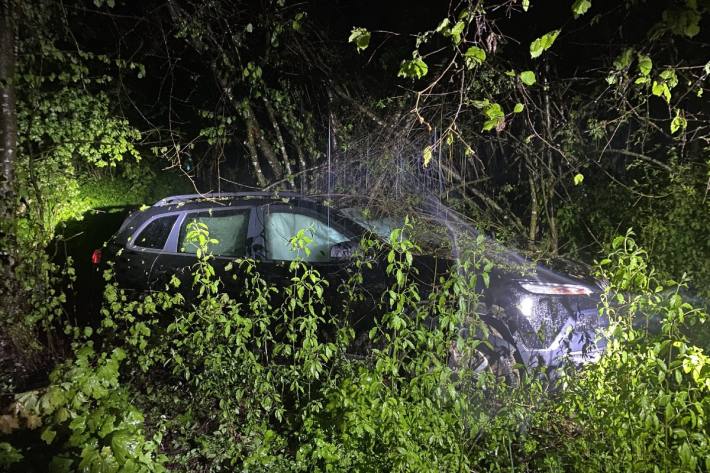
<point x="254" y="157"/>
<point x="279" y="139"/>
<point x="550" y="183"/>
<point x="534" y="210"/>
<point x="303" y="166"/>
<point x="257" y="137"/>
<point x="8" y="115"/>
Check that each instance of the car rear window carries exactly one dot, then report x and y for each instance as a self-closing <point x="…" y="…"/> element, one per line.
<point x="228" y="227"/>
<point x="155" y="234"/>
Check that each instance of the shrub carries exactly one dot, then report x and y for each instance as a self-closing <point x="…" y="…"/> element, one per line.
<point x="82" y="421"/>
<point x="645" y="405"/>
<point x="270" y="381"/>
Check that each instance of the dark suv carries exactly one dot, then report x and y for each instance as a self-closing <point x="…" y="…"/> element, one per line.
<point x="541" y="317"/>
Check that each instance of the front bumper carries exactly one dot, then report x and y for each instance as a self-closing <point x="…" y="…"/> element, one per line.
<point x="580" y="341"/>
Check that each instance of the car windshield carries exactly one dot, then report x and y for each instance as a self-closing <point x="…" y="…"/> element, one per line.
<point x="380" y="226"/>
<point x="432" y="238"/>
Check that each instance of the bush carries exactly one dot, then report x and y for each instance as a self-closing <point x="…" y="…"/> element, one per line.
<point x="269" y="382"/>
<point x="82" y="421"/>
<point x="645" y="406"/>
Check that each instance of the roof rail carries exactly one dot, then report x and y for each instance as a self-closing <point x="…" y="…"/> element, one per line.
<point x="174" y="199"/>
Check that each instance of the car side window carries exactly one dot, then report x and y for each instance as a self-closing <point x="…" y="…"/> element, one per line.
<point x="155" y="234"/>
<point x="228" y="227"/>
<point x="282" y="226"/>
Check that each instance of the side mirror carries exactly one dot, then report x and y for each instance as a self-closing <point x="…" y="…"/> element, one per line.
<point x="342" y="251"/>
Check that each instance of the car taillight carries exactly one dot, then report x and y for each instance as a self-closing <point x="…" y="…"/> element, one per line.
<point x="96" y="257"/>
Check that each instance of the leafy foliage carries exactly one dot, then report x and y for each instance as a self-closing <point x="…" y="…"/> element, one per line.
<point x="528" y="78"/>
<point x="645" y="405"/>
<point x="84" y="420"/>
<point x="361" y="38"/>
<point x="271" y="381"/>
<point x="543" y="43"/>
<point x="413" y="68"/>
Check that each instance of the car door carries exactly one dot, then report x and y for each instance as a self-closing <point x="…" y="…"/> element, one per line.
<point x="279" y="224"/>
<point x="135" y="260"/>
<point x="230" y="227"/>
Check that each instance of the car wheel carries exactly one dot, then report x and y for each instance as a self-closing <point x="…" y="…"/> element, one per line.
<point x="497" y="362"/>
<point x="491" y="354"/>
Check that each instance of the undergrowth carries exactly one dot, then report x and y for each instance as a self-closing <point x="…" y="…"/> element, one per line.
<point x="279" y="380"/>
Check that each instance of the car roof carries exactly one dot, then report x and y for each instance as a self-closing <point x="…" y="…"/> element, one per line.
<point x="191" y="202"/>
<point x="232" y="196"/>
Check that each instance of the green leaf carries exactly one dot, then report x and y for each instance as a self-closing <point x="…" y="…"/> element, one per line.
<point x="61" y="464"/>
<point x="48" y="435"/>
<point x="683" y="21"/>
<point x="496" y="117"/>
<point x="494" y="110"/>
<point x="518" y="108"/>
<point x="660" y="89"/>
<point x="624" y="59"/>
<point x="645" y="64"/>
<point x="361" y="38"/>
<point x="124" y="446"/>
<point x="443" y="25"/>
<point x="456" y="31"/>
<point x="427" y="156"/>
<point x="578" y="179"/>
<point x="474" y="56"/>
<point x="413" y="68"/>
<point x="543" y="43"/>
<point x="670" y="77"/>
<point x="580" y="7"/>
<point x="296" y="23"/>
<point x="9" y="454"/>
<point x="479" y="104"/>
<point x="679" y="122"/>
<point x="528" y="77"/>
<point x="526" y="5"/>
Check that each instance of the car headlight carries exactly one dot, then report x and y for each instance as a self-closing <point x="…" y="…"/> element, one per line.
<point x="556" y="289"/>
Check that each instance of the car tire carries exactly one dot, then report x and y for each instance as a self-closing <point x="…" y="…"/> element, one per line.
<point x="493" y="355"/>
<point x="498" y="362"/>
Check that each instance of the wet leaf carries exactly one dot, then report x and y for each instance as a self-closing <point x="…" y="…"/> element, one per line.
<point x="474" y="56"/>
<point x="361" y="38"/>
<point x="48" y="435"/>
<point x="660" y="89"/>
<point x="427" y="156"/>
<point x="543" y="43"/>
<point x="645" y="64"/>
<point x="624" y="59"/>
<point x="580" y="7"/>
<point x="528" y="77"/>
<point x="456" y="31"/>
<point x="413" y="69"/>
<point x="679" y="122"/>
